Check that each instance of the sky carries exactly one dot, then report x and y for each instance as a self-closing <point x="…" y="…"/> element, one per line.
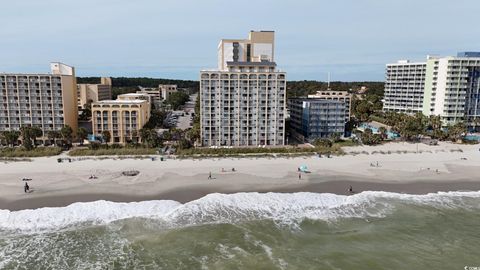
<point x="350" y="39"/>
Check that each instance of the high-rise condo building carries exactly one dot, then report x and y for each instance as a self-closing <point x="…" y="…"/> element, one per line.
<point x="404" y="87"/>
<point x="88" y="93"/>
<point x="47" y="101"/>
<point x="242" y="103"/>
<point x="444" y="86"/>
<point x="452" y="89"/>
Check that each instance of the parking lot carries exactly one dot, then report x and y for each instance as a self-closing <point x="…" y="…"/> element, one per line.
<point x="182" y="119"/>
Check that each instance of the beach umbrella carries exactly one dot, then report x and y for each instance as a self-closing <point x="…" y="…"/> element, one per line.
<point x="303" y="168"/>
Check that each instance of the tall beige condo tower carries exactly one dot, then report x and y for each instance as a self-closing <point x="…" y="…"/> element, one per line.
<point x="242" y="103"/>
<point x="47" y="101"/>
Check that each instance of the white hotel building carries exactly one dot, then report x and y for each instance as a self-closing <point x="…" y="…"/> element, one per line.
<point x="404" y="86"/>
<point x="450" y="88"/>
<point x="242" y="103"/>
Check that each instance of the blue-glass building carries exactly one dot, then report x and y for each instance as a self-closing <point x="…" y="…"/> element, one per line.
<point x="313" y="118"/>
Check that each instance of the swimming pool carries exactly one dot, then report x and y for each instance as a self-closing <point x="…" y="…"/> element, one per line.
<point x="472" y="137"/>
<point x="390" y="134"/>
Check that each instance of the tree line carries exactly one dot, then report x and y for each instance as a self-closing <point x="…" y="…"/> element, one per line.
<point x="304" y="88"/>
<point x="141" y="81"/>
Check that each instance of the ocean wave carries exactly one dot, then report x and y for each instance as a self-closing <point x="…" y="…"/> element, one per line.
<point x="231" y="208"/>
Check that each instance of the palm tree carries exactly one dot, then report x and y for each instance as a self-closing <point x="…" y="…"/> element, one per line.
<point x="149" y="137"/>
<point x="67" y="134"/>
<point x="335" y="137"/>
<point x="53" y="135"/>
<point x="82" y="134"/>
<point x="26" y="133"/>
<point x="11" y="137"/>
<point x="106" y="136"/>
<point x="457" y="131"/>
<point x="475" y="123"/>
<point x="383" y="132"/>
<point x="36" y="132"/>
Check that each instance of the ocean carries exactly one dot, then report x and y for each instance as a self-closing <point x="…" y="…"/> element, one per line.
<point x="370" y="230"/>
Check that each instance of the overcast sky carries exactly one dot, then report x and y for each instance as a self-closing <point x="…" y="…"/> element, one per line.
<point x="352" y="39"/>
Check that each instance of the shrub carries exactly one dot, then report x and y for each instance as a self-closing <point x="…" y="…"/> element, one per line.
<point x="113" y="151"/>
<point x="36" y="152"/>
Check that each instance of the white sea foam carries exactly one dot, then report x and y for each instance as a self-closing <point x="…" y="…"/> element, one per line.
<point x="223" y="208"/>
<point x="98" y="212"/>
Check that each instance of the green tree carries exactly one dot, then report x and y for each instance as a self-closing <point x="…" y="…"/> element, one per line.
<point x="26" y="133"/>
<point x="368" y="138"/>
<point x="11" y="137"/>
<point x="383" y="132"/>
<point x="410" y="127"/>
<point x="106" y="136"/>
<point x="184" y="144"/>
<point x="87" y="111"/>
<point x="66" y="134"/>
<point x="177" y="99"/>
<point x="53" y="135"/>
<point x="149" y="137"/>
<point x="36" y="133"/>
<point x="323" y="142"/>
<point x="457" y="131"/>
<point x="335" y="137"/>
<point x="156" y="119"/>
<point x="82" y="134"/>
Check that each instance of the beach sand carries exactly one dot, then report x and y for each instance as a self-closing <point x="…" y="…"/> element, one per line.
<point x="422" y="169"/>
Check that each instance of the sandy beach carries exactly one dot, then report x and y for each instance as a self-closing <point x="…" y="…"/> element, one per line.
<point x="402" y="167"/>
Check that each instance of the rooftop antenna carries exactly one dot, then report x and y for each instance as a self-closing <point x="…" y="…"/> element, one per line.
<point x="328" y="81"/>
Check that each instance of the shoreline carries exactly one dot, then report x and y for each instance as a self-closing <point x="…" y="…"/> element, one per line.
<point x="54" y="184"/>
<point x="185" y="195"/>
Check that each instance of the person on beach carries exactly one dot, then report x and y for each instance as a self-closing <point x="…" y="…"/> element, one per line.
<point x="26" y="188"/>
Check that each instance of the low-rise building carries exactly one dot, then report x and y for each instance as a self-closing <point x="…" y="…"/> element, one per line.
<point x="166" y="90"/>
<point x="122" y="118"/>
<point x="314" y="118"/>
<point x="135" y="96"/>
<point x="155" y="96"/>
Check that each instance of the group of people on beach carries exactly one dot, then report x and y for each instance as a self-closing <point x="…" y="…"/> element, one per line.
<point x="223" y="170"/>
<point x="374" y="165"/>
